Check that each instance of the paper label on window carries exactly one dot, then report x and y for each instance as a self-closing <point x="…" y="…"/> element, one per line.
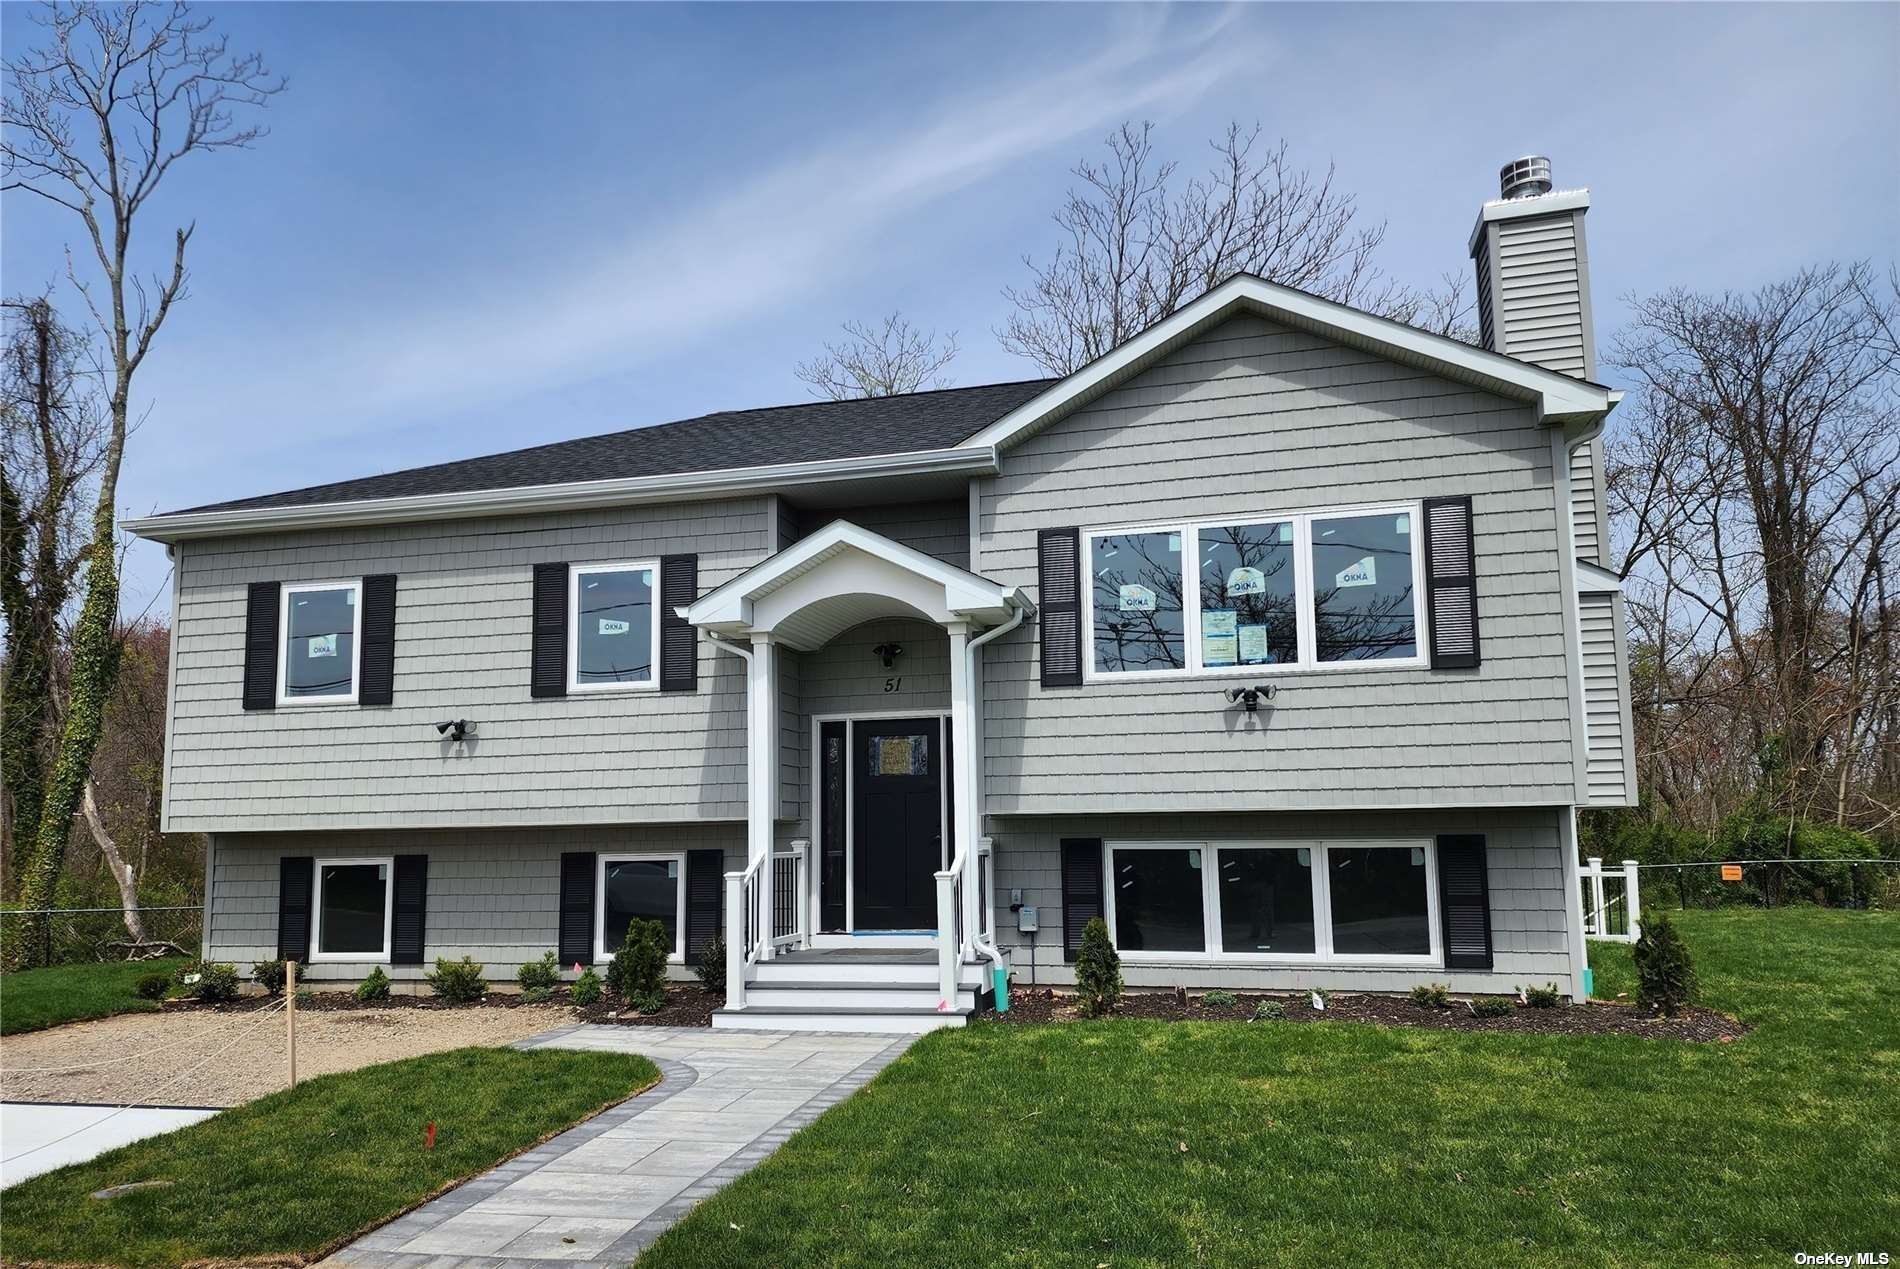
<point x="1137" y="598"/>
<point x="1418" y="856"/>
<point x="1217" y="650"/>
<point x="1174" y="542"/>
<point x="1364" y="573"/>
<point x="1402" y="524"/>
<point x="323" y="645"/>
<point x="349" y="598"/>
<point x="1253" y="645"/>
<point x="1246" y="581"/>
<point x="1306" y="857"/>
<point x="672" y="869"/>
<point x="608" y="626"/>
<point x="1217" y="623"/>
<point x="1286" y="533"/>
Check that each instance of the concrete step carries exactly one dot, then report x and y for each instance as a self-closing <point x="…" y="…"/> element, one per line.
<point x="849" y="995"/>
<point x="879" y="1021"/>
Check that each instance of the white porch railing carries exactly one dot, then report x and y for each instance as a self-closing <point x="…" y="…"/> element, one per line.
<point x="950" y="926"/>
<point x="1612" y="909"/>
<point x="759" y="923"/>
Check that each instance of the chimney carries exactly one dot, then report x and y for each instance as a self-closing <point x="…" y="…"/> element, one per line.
<point x="1534" y="271"/>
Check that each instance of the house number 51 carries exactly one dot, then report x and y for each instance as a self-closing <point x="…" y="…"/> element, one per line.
<point x="893" y="684"/>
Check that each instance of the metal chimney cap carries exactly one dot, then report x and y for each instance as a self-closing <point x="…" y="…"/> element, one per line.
<point x="1525" y="178"/>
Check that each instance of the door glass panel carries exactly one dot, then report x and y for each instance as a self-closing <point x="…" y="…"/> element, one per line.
<point x="1158" y="901"/>
<point x="899" y="755"/>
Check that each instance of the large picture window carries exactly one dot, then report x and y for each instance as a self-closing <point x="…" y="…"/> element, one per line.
<point x="1338" y="902"/>
<point x="1290" y="592"/>
<point x="647" y="887"/>
<point x="352" y="910"/>
<point x="322" y="625"/>
<point x="613" y="627"/>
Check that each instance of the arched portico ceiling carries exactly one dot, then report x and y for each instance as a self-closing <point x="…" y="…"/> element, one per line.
<point x="842" y="576"/>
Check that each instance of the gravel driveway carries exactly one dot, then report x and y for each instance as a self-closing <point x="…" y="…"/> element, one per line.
<point x="240" y="1056"/>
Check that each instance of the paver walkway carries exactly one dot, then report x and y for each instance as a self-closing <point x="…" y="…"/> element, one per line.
<point x="603" y="1190"/>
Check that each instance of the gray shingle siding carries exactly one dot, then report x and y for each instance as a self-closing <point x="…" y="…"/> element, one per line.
<point x="462" y="650"/>
<point x="1255" y="418"/>
<point x="938" y="529"/>
<point x="1609" y="756"/>
<point x="1524" y="858"/>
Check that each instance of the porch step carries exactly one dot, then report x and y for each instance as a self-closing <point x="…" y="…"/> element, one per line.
<point x="891" y="1020"/>
<point x="832" y="994"/>
<point x="890" y="970"/>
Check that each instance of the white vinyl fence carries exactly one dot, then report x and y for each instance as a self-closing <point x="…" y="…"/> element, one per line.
<point x="1610" y="906"/>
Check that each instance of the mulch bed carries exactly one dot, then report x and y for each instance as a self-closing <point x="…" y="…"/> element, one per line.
<point x="1036" y="1006"/>
<point x="687" y="1005"/>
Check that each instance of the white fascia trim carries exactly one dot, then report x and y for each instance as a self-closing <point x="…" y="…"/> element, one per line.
<point x="964" y="591"/>
<point x="1558" y="397"/>
<point x="576" y="495"/>
<point x="1592" y="580"/>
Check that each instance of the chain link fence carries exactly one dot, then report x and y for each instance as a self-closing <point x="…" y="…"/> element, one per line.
<point x="68" y="936"/>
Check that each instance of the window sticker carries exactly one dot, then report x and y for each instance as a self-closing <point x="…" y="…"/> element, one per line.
<point x="1418" y="856"/>
<point x="1403" y="524"/>
<point x="672" y="869"/>
<point x="1174" y="543"/>
<point x="1217" y="623"/>
<point x="1246" y="581"/>
<point x="1306" y="857"/>
<point x="1286" y="533"/>
<point x="608" y="626"/>
<point x="1194" y="859"/>
<point x="1253" y="646"/>
<point x="349" y="598"/>
<point x="1217" y="638"/>
<point x="1364" y="573"/>
<point x="1137" y="598"/>
<point x="323" y="645"/>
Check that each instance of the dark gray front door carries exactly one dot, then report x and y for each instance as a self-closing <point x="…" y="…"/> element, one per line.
<point x="897" y="822"/>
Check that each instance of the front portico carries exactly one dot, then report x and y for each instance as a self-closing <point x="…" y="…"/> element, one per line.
<point x="800" y="601"/>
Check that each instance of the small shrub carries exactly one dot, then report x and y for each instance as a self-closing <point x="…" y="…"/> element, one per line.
<point x="587" y="987"/>
<point x="458" y="982"/>
<point x="1492" y="1006"/>
<point x="541" y="975"/>
<point x="639" y="967"/>
<point x="1432" y="995"/>
<point x="712" y="966"/>
<point x="1269" y="1011"/>
<point x="1545" y="997"/>
<point x="211" y="981"/>
<point x="535" y="995"/>
<point x="649" y="1002"/>
<point x="1220" y="999"/>
<point x="1665" y="977"/>
<point x="270" y="976"/>
<point x="1098" y="971"/>
<point x="305" y="996"/>
<point x="374" y="987"/>
<point x="153" y="986"/>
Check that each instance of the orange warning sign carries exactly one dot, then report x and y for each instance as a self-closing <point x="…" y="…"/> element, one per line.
<point x="1731" y="872"/>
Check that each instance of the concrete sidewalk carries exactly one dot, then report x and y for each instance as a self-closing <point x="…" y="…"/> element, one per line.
<point x="603" y="1190"/>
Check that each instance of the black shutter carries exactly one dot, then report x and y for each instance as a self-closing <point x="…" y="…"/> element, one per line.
<point x="1059" y="605"/>
<point x="260" y="646"/>
<point x="679" y="644"/>
<point x="577" y="908"/>
<point x="410" y="907"/>
<point x="549" y="661"/>
<point x="1081" y="890"/>
<point x="705" y="892"/>
<point x="379" y="640"/>
<point x="831" y="763"/>
<point x="1464" y="902"/>
<point x="296" y="878"/>
<point x="1451" y="583"/>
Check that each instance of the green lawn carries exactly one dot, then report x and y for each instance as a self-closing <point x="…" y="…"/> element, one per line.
<point x="297" y="1172"/>
<point x="1131" y="1143"/>
<point x="37" y="998"/>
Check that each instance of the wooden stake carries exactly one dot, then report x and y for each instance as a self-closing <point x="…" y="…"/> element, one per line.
<point x="290" y="1016"/>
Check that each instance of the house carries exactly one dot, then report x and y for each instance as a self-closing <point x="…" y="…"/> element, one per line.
<point x="1280" y="637"/>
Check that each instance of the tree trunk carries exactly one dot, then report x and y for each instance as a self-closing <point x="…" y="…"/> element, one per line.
<point x="121" y="871"/>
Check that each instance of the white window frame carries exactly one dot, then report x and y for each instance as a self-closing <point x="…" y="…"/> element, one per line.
<point x="355" y="587"/>
<point x="601" y="955"/>
<point x="1304" y="609"/>
<point x="316" y="908"/>
<point x="574" y="576"/>
<point x="1323" y="953"/>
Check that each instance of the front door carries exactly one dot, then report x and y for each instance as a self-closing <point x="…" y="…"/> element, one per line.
<point x="897" y="822"/>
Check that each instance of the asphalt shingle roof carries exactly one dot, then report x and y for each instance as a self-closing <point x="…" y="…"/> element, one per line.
<point x="811" y="432"/>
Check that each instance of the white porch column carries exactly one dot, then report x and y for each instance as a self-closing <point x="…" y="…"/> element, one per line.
<point x="761" y="766"/>
<point x="963" y="762"/>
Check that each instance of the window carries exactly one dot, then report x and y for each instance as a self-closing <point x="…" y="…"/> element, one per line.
<point x="1343" y="902"/>
<point x="650" y="887"/>
<point x="322" y="625"/>
<point x="352" y="910"/>
<point x="613" y="627"/>
<point x="1292" y="592"/>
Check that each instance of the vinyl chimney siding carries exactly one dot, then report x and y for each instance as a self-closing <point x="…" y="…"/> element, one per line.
<point x="1609" y="758"/>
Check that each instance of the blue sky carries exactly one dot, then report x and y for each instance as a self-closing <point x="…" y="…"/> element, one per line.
<point x="476" y="227"/>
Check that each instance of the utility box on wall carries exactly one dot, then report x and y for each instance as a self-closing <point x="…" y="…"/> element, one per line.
<point x="1026" y="919"/>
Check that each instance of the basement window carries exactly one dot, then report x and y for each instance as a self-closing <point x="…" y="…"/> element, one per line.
<point x="645" y="887"/>
<point x="352" y="910"/>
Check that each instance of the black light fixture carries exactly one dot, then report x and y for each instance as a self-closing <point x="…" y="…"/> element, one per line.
<point x="888" y="653"/>
<point x="455" y="729"/>
<point x="1249" y="695"/>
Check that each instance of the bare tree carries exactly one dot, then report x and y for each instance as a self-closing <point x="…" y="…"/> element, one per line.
<point x="1754" y="487"/>
<point x="880" y="361"/>
<point x="94" y="118"/>
<point x="1139" y="245"/>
